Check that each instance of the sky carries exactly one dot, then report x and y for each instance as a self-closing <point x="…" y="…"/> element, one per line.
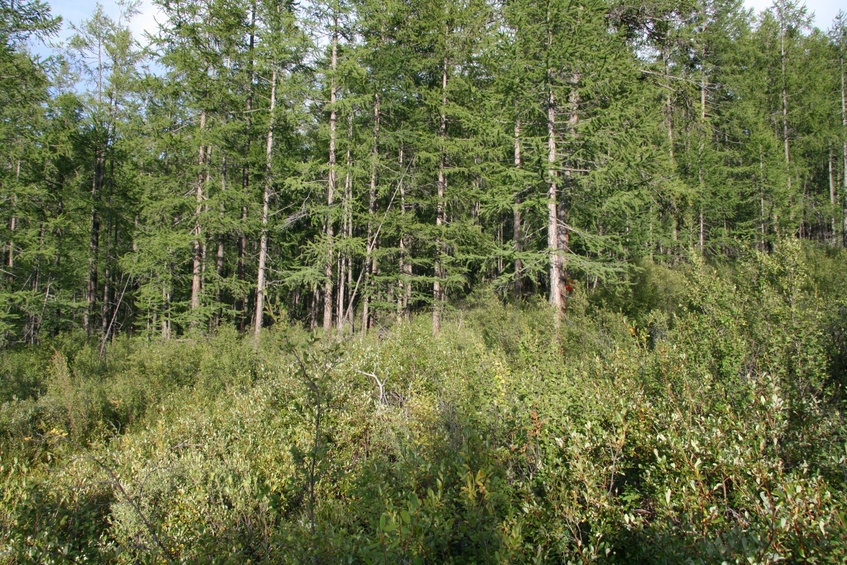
<point x="75" y="11"/>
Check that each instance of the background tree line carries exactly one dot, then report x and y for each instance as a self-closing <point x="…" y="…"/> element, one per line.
<point x="344" y="164"/>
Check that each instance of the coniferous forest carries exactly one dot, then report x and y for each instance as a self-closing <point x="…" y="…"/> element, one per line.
<point x="424" y="281"/>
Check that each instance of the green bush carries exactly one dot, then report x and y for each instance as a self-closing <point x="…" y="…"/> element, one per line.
<point x="705" y="424"/>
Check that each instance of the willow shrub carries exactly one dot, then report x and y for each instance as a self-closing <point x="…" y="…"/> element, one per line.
<point x="703" y="426"/>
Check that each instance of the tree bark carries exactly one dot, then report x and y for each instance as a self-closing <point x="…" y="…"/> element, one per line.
<point x="516" y="216"/>
<point x="844" y="140"/>
<point x="437" y="287"/>
<point x="241" y="270"/>
<point x="93" y="241"/>
<point x="369" y="261"/>
<point x="199" y="252"/>
<point x="266" y="198"/>
<point x="332" y="182"/>
<point x="344" y="262"/>
<point x="785" y="142"/>
<point x="552" y="208"/>
<point x="833" y="239"/>
<point x="10" y="259"/>
<point x="405" y="265"/>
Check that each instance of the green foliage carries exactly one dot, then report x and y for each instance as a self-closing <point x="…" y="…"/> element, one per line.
<point x="502" y="439"/>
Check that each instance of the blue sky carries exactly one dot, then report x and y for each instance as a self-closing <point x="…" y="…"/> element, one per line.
<point x="74" y="11"/>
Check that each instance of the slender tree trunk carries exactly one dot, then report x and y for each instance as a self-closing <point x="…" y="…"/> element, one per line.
<point x="344" y="266"/>
<point x="832" y="202"/>
<point x="93" y="242"/>
<point x="313" y="308"/>
<point x="220" y="254"/>
<point x="785" y="141"/>
<point x="552" y="208"/>
<point x="266" y="198"/>
<point x="762" y="217"/>
<point x="241" y="269"/>
<point x="844" y="144"/>
<point x="199" y="251"/>
<point x="369" y="263"/>
<point x="516" y="216"/>
<point x="668" y="105"/>
<point x="700" y="174"/>
<point x="166" y="320"/>
<point x="564" y="231"/>
<point x="104" y="306"/>
<point x="405" y="264"/>
<point x="332" y="182"/>
<point x="437" y="288"/>
<point x="10" y="259"/>
<point x="552" y="188"/>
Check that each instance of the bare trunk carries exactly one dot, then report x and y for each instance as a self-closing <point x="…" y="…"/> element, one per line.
<point x="93" y="242"/>
<point x="266" y="199"/>
<point x="10" y="259"/>
<point x="104" y="306"/>
<point x="564" y="232"/>
<point x="220" y="254"/>
<point x="166" y="320"/>
<point x="762" y="216"/>
<point x="833" y="229"/>
<point x="844" y="146"/>
<point x="668" y="106"/>
<point x="331" y="184"/>
<point x="405" y="265"/>
<point x="552" y="208"/>
<point x="199" y="196"/>
<point x="700" y="176"/>
<point x="437" y="287"/>
<point x="344" y="266"/>
<point x="785" y="109"/>
<point x="516" y="219"/>
<point x="241" y="270"/>
<point x="369" y="263"/>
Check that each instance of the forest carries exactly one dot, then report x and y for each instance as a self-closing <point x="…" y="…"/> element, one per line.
<point x="423" y="281"/>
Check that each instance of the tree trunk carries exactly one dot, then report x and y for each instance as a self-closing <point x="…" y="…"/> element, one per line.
<point x="220" y="253"/>
<point x="844" y="146"/>
<point x="833" y="239"/>
<point x="668" y="105"/>
<point x="516" y="216"/>
<point x="762" y="216"/>
<point x="552" y="208"/>
<point x="199" y="251"/>
<point x="241" y="270"/>
<point x="10" y="259"/>
<point x="93" y="242"/>
<point x="405" y="265"/>
<point x="344" y="263"/>
<point x="437" y="287"/>
<point x="702" y="149"/>
<point x="785" y="142"/>
<point x="369" y="263"/>
<point x="266" y="198"/>
<point x="331" y="184"/>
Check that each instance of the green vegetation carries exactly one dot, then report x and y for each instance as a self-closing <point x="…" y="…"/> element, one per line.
<point x="348" y="163"/>
<point x="424" y="281"/>
<point x="696" y="416"/>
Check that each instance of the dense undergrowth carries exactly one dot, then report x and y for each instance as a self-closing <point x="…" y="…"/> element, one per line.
<point x="694" y="416"/>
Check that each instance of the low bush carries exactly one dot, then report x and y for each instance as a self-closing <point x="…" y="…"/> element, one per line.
<point x="702" y="426"/>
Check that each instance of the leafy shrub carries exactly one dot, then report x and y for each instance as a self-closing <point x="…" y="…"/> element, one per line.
<point x="718" y="438"/>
